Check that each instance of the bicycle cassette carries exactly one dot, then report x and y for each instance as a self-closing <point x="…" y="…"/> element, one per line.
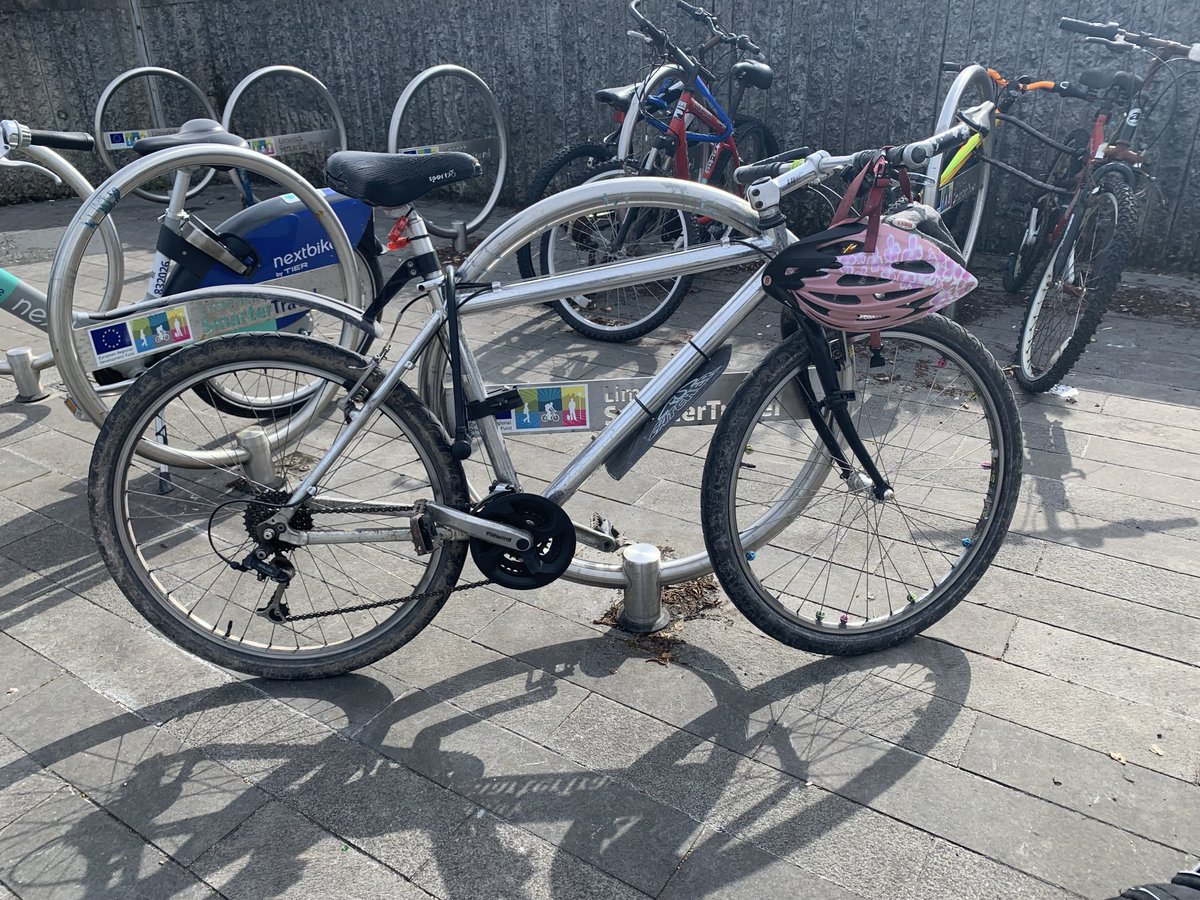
<point x="553" y="541"/>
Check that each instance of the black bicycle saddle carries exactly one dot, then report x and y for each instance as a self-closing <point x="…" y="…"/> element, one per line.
<point x="394" y="179"/>
<point x="196" y="131"/>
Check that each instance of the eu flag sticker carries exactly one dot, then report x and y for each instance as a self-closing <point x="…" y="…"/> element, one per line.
<point x="112" y="343"/>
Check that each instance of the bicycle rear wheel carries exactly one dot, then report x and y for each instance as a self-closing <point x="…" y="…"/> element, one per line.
<point x="567" y="168"/>
<point x="627" y="313"/>
<point x="841" y="572"/>
<point x="169" y="534"/>
<point x="1080" y="278"/>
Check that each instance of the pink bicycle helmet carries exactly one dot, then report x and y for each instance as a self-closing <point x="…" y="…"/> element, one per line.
<point x="914" y="269"/>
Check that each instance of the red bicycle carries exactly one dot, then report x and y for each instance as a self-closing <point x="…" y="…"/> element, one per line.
<point x="675" y="101"/>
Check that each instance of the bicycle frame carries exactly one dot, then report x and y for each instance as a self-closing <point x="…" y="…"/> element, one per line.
<point x="638" y="193"/>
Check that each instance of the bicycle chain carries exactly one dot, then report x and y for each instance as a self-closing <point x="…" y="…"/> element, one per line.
<point x="378" y="603"/>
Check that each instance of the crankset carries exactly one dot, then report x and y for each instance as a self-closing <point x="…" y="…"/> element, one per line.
<point x="553" y="541"/>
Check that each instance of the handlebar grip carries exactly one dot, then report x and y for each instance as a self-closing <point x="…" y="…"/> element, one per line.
<point x="1108" y="31"/>
<point x="755" y="171"/>
<point x="744" y="43"/>
<point x="694" y="11"/>
<point x="1070" y="89"/>
<point x="62" y="140"/>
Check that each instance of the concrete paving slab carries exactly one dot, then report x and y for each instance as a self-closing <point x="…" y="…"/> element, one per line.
<point x="720" y="866"/>
<point x="1163" y="809"/>
<point x="303" y="862"/>
<point x="67" y="847"/>
<point x="174" y="797"/>
<point x="164" y="677"/>
<point x="517" y="864"/>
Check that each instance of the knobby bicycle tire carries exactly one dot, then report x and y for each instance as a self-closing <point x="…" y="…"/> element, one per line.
<point x="934" y="361"/>
<point x="155" y="527"/>
<point x="1028" y="259"/>
<point x="1101" y="283"/>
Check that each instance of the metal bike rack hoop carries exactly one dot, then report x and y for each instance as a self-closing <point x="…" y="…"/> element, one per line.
<point x="452" y="71"/>
<point x="65" y="268"/>
<point x="287" y="72"/>
<point x="101" y="134"/>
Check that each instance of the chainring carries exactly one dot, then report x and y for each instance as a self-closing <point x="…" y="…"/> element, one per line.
<point x="553" y="541"/>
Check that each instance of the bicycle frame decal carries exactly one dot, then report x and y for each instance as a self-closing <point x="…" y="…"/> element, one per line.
<point x="124" y="140"/>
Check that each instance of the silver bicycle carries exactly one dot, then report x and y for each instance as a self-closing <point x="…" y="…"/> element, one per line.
<point x="855" y="489"/>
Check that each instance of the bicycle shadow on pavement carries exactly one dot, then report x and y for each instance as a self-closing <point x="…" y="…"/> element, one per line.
<point x="784" y="776"/>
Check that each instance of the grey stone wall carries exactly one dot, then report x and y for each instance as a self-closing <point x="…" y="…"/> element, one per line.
<point x="850" y="73"/>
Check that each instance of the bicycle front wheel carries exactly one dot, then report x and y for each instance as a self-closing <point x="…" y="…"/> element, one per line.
<point x="177" y="539"/>
<point x="814" y="559"/>
<point x="1083" y="273"/>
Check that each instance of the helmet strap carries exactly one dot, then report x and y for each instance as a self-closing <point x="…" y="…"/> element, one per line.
<point x="873" y="208"/>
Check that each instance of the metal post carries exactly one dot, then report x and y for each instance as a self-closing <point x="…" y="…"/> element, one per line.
<point x="642" y="611"/>
<point x="460" y="238"/>
<point x="28" y="379"/>
<point x="260" y="468"/>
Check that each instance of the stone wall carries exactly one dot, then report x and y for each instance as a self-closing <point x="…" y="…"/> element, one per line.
<point x="850" y="73"/>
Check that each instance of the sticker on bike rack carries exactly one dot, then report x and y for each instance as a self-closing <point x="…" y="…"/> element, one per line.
<point x="483" y="149"/>
<point x="299" y="142"/>
<point x="124" y="140"/>
<point x="551" y="407"/>
<point x="122" y="341"/>
<point x="547" y="407"/>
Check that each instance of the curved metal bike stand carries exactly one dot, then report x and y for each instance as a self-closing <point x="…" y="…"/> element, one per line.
<point x="625" y="140"/>
<point x="66" y="335"/>
<point x="450" y="71"/>
<point x="527" y="225"/>
<point x="102" y="136"/>
<point x="970" y="86"/>
<point x="330" y="139"/>
<point x="20" y="362"/>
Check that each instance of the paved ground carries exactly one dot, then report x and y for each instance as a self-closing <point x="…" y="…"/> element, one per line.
<point x="519" y="749"/>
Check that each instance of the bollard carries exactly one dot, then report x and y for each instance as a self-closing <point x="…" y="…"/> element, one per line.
<point x="28" y="379"/>
<point x="460" y="238"/>
<point x="642" y="611"/>
<point x="260" y="469"/>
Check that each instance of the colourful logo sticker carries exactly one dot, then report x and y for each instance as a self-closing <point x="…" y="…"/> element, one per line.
<point x="558" y="408"/>
<point x="112" y="343"/>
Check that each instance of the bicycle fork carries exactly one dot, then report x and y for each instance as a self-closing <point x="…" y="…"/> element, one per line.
<point x="836" y="401"/>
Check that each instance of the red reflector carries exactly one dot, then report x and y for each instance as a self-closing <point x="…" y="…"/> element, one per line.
<point x="396" y="239"/>
<point x="618" y="116"/>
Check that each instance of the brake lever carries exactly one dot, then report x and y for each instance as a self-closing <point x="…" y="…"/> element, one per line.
<point x="1116" y="46"/>
<point x="637" y="35"/>
<point x="23" y="164"/>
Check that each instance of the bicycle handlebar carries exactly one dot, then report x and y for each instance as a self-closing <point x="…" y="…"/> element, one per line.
<point x="1108" y="31"/>
<point x="700" y="14"/>
<point x="14" y="135"/>
<point x="795" y="173"/>
<point x="1114" y="37"/>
